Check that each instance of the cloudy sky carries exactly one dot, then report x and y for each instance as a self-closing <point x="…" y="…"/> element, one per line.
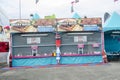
<point x="61" y="8"/>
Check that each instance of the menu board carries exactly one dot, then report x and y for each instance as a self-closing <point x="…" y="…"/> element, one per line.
<point x="80" y="38"/>
<point x="33" y="40"/>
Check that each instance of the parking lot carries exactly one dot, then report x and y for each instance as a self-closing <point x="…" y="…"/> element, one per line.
<point x="109" y="71"/>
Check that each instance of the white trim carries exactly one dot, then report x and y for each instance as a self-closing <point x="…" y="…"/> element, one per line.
<point x="34" y="35"/>
<point x="116" y="32"/>
<point x="78" y="33"/>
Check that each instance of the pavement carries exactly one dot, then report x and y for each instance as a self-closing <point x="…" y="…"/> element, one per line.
<point x="3" y="57"/>
<point x="108" y="71"/>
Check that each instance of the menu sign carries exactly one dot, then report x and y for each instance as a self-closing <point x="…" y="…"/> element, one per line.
<point x="33" y="40"/>
<point x="59" y="24"/>
<point x="80" y="38"/>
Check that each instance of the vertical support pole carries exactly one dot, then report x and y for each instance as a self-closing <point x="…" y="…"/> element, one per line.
<point x="58" y="42"/>
<point x="20" y="12"/>
<point x="104" y="56"/>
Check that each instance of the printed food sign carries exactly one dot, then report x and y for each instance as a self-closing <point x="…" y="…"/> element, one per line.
<point x="80" y="39"/>
<point x="33" y="40"/>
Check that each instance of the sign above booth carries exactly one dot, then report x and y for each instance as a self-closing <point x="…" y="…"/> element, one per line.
<point x="91" y="28"/>
<point x="91" y="21"/>
<point x="58" y="24"/>
<point x="17" y="22"/>
<point x="84" y="24"/>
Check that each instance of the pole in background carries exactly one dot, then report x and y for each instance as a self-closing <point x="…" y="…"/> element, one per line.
<point x="20" y="12"/>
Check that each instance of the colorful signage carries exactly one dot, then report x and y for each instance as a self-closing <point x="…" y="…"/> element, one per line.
<point x="58" y="24"/>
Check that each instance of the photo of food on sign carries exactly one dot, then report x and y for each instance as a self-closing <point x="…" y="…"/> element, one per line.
<point x="22" y="25"/>
<point x="45" y="22"/>
<point x="84" y="24"/>
<point x="68" y="24"/>
<point x="91" y="24"/>
<point x="59" y="24"/>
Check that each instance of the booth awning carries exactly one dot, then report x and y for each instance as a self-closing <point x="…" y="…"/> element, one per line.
<point x="113" y="23"/>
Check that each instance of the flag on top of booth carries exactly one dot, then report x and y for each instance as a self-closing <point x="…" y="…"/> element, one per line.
<point x="36" y="1"/>
<point x="115" y="0"/>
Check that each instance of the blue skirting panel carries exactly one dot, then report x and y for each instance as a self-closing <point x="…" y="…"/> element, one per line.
<point x="81" y="59"/>
<point x="52" y="60"/>
<point x="33" y="61"/>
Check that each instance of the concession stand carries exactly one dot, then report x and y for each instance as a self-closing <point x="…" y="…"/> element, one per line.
<point x="70" y="41"/>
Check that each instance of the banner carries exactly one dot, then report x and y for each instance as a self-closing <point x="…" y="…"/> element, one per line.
<point x="57" y="24"/>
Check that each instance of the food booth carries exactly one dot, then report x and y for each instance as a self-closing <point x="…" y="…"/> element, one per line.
<point x="72" y="41"/>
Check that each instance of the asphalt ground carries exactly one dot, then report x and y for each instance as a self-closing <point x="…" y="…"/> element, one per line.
<point x="109" y="71"/>
<point x="3" y="57"/>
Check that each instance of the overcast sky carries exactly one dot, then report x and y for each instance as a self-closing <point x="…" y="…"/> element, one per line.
<point x="61" y="8"/>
